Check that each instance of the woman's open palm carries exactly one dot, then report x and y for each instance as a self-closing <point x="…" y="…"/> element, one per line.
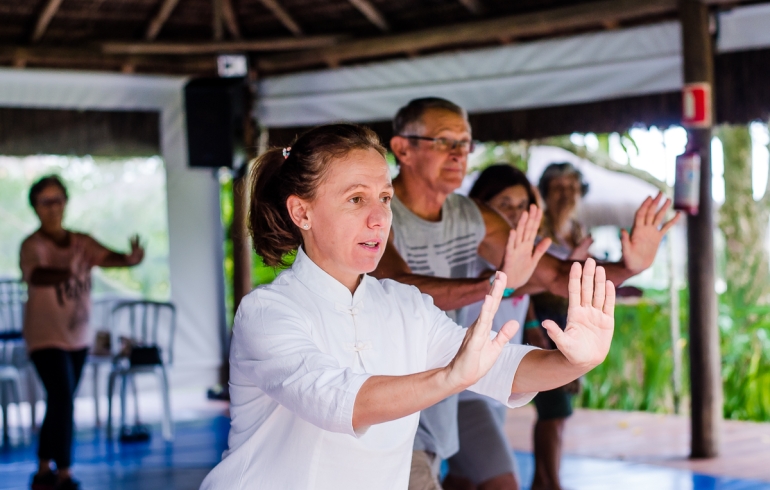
<point x="590" y="317"/>
<point x="478" y="352"/>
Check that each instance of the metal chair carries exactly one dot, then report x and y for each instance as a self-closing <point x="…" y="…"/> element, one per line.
<point x="101" y="309"/>
<point x="147" y="323"/>
<point x="13" y="358"/>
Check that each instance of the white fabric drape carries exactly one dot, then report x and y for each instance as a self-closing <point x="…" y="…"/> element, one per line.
<point x="569" y="70"/>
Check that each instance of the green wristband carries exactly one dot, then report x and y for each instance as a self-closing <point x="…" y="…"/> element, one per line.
<point x="508" y="292"/>
<point x="531" y="324"/>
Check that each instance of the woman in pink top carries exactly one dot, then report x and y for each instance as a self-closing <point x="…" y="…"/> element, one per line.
<point x="56" y="265"/>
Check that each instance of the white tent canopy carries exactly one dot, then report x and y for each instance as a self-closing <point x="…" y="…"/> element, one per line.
<point x="583" y="68"/>
<point x="195" y="234"/>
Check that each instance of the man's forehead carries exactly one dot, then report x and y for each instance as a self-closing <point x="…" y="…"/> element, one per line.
<point x="437" y="120"/>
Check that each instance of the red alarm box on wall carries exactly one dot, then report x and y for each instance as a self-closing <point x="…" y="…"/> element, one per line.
<point x="696" y="105"/>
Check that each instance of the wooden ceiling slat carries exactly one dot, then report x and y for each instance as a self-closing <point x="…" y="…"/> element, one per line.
<point x="474" y="6"/>
<point x="286" y="19"/>
<point x="156" y="24"/>
<point x="231" y="21"/>
<point x="69" y="57"/>
<point x="541" y="23"/>
<point x="45" y="18"/>
<point x="372" y="13"/>
<point x="157" y="48"/>
<point x="217" y="21"/>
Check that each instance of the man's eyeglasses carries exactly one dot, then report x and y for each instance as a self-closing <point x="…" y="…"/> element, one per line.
<point x="445" y="144"/>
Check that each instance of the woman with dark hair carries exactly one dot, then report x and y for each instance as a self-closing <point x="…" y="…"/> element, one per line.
<point x="56" y="265"/>
<point x="330" y="367"/>
<point x="484" y="460"/>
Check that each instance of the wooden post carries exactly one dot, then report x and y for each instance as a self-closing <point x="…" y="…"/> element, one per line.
<point x="705" y="360"/>
<point x="240" y="229"/>
<point x="239" y="235"/>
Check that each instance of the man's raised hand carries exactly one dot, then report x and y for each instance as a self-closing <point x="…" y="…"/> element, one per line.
<point x="521" y="254"/>
<point x="590" y="317"/>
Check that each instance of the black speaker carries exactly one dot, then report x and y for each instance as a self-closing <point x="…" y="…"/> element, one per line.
<point x="215" y="116"/>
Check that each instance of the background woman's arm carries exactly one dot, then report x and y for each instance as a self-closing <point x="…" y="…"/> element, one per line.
<point x="116" y="259"/>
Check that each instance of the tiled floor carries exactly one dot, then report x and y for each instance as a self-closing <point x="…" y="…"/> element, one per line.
<point x="183" y="464"/>
<point x="153" y="465"/>
<point x="660" y="440"/>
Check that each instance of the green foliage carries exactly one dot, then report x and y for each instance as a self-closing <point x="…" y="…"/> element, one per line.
<point x="745" y="359"/>
<point x="638" y="371"/>
<point x="514" y="153"/>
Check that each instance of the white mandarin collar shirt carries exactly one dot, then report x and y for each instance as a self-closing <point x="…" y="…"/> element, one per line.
<point x="301" y="349"/>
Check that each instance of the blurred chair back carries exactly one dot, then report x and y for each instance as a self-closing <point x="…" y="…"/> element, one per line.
<point x="150" y="323"/>
<point x="13" y="298"/>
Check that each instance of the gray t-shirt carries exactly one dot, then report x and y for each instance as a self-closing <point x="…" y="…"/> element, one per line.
<point x="446" y="248"/>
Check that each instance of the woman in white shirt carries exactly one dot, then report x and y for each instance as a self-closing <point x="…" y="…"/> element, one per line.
<point x="330" y="367"/>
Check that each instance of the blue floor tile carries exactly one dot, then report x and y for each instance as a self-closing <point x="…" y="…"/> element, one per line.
<point x="197" y="447"/>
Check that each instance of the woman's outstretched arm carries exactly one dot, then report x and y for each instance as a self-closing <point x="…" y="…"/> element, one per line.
<point x="385" y="398"/>
<point x="584" y="344"/>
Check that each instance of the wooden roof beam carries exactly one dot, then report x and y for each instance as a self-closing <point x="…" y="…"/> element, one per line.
<point x="371" y="13"/>
<point x="544" y="23"/>
<point x="474" y="6"/>
<point x="63" y="57"/>
<point x="50" y="9"/>
<point x="187" y="49"/>
<point x="231" y="21"/>
<point x="156" y="24"/>
<point x="217" y="28"/>
<point x="282" y="15"/>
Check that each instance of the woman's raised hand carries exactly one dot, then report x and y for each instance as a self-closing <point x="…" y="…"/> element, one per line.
<point x="590" y="317"/>
<point x="137" y="251"/>
<point x="478" y="352"/>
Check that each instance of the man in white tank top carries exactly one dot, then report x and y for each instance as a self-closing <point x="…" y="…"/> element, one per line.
<point x="436" y="236"/>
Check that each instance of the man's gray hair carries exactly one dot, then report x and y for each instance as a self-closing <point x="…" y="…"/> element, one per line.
<point x="408" y="119"/>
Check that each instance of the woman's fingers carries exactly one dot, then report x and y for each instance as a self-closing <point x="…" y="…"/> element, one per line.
<point x="491" y="303"/>
<point x="535" y="215"/>
<point x="522" y="227"/>
<point x="667" y="226"/>
<point x="587" y="293"/>
<point x="574" y="284"/>
<point x="650" y="218"/>
<point x="641" y="213"/>
<point x="506" y="333"/>
<point x="498" y="288"/>
<point x="600" y="288"/>
<point x="609" y="300"/>
<point x="554" y="332"/>
<point x="510" y="246"/>
<point x="660" y="215"/>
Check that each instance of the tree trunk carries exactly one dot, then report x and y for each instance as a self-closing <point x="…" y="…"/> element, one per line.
<point x="744" y="223"/>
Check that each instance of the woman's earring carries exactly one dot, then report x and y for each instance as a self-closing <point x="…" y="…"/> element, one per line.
<point x="306" y="226"/>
